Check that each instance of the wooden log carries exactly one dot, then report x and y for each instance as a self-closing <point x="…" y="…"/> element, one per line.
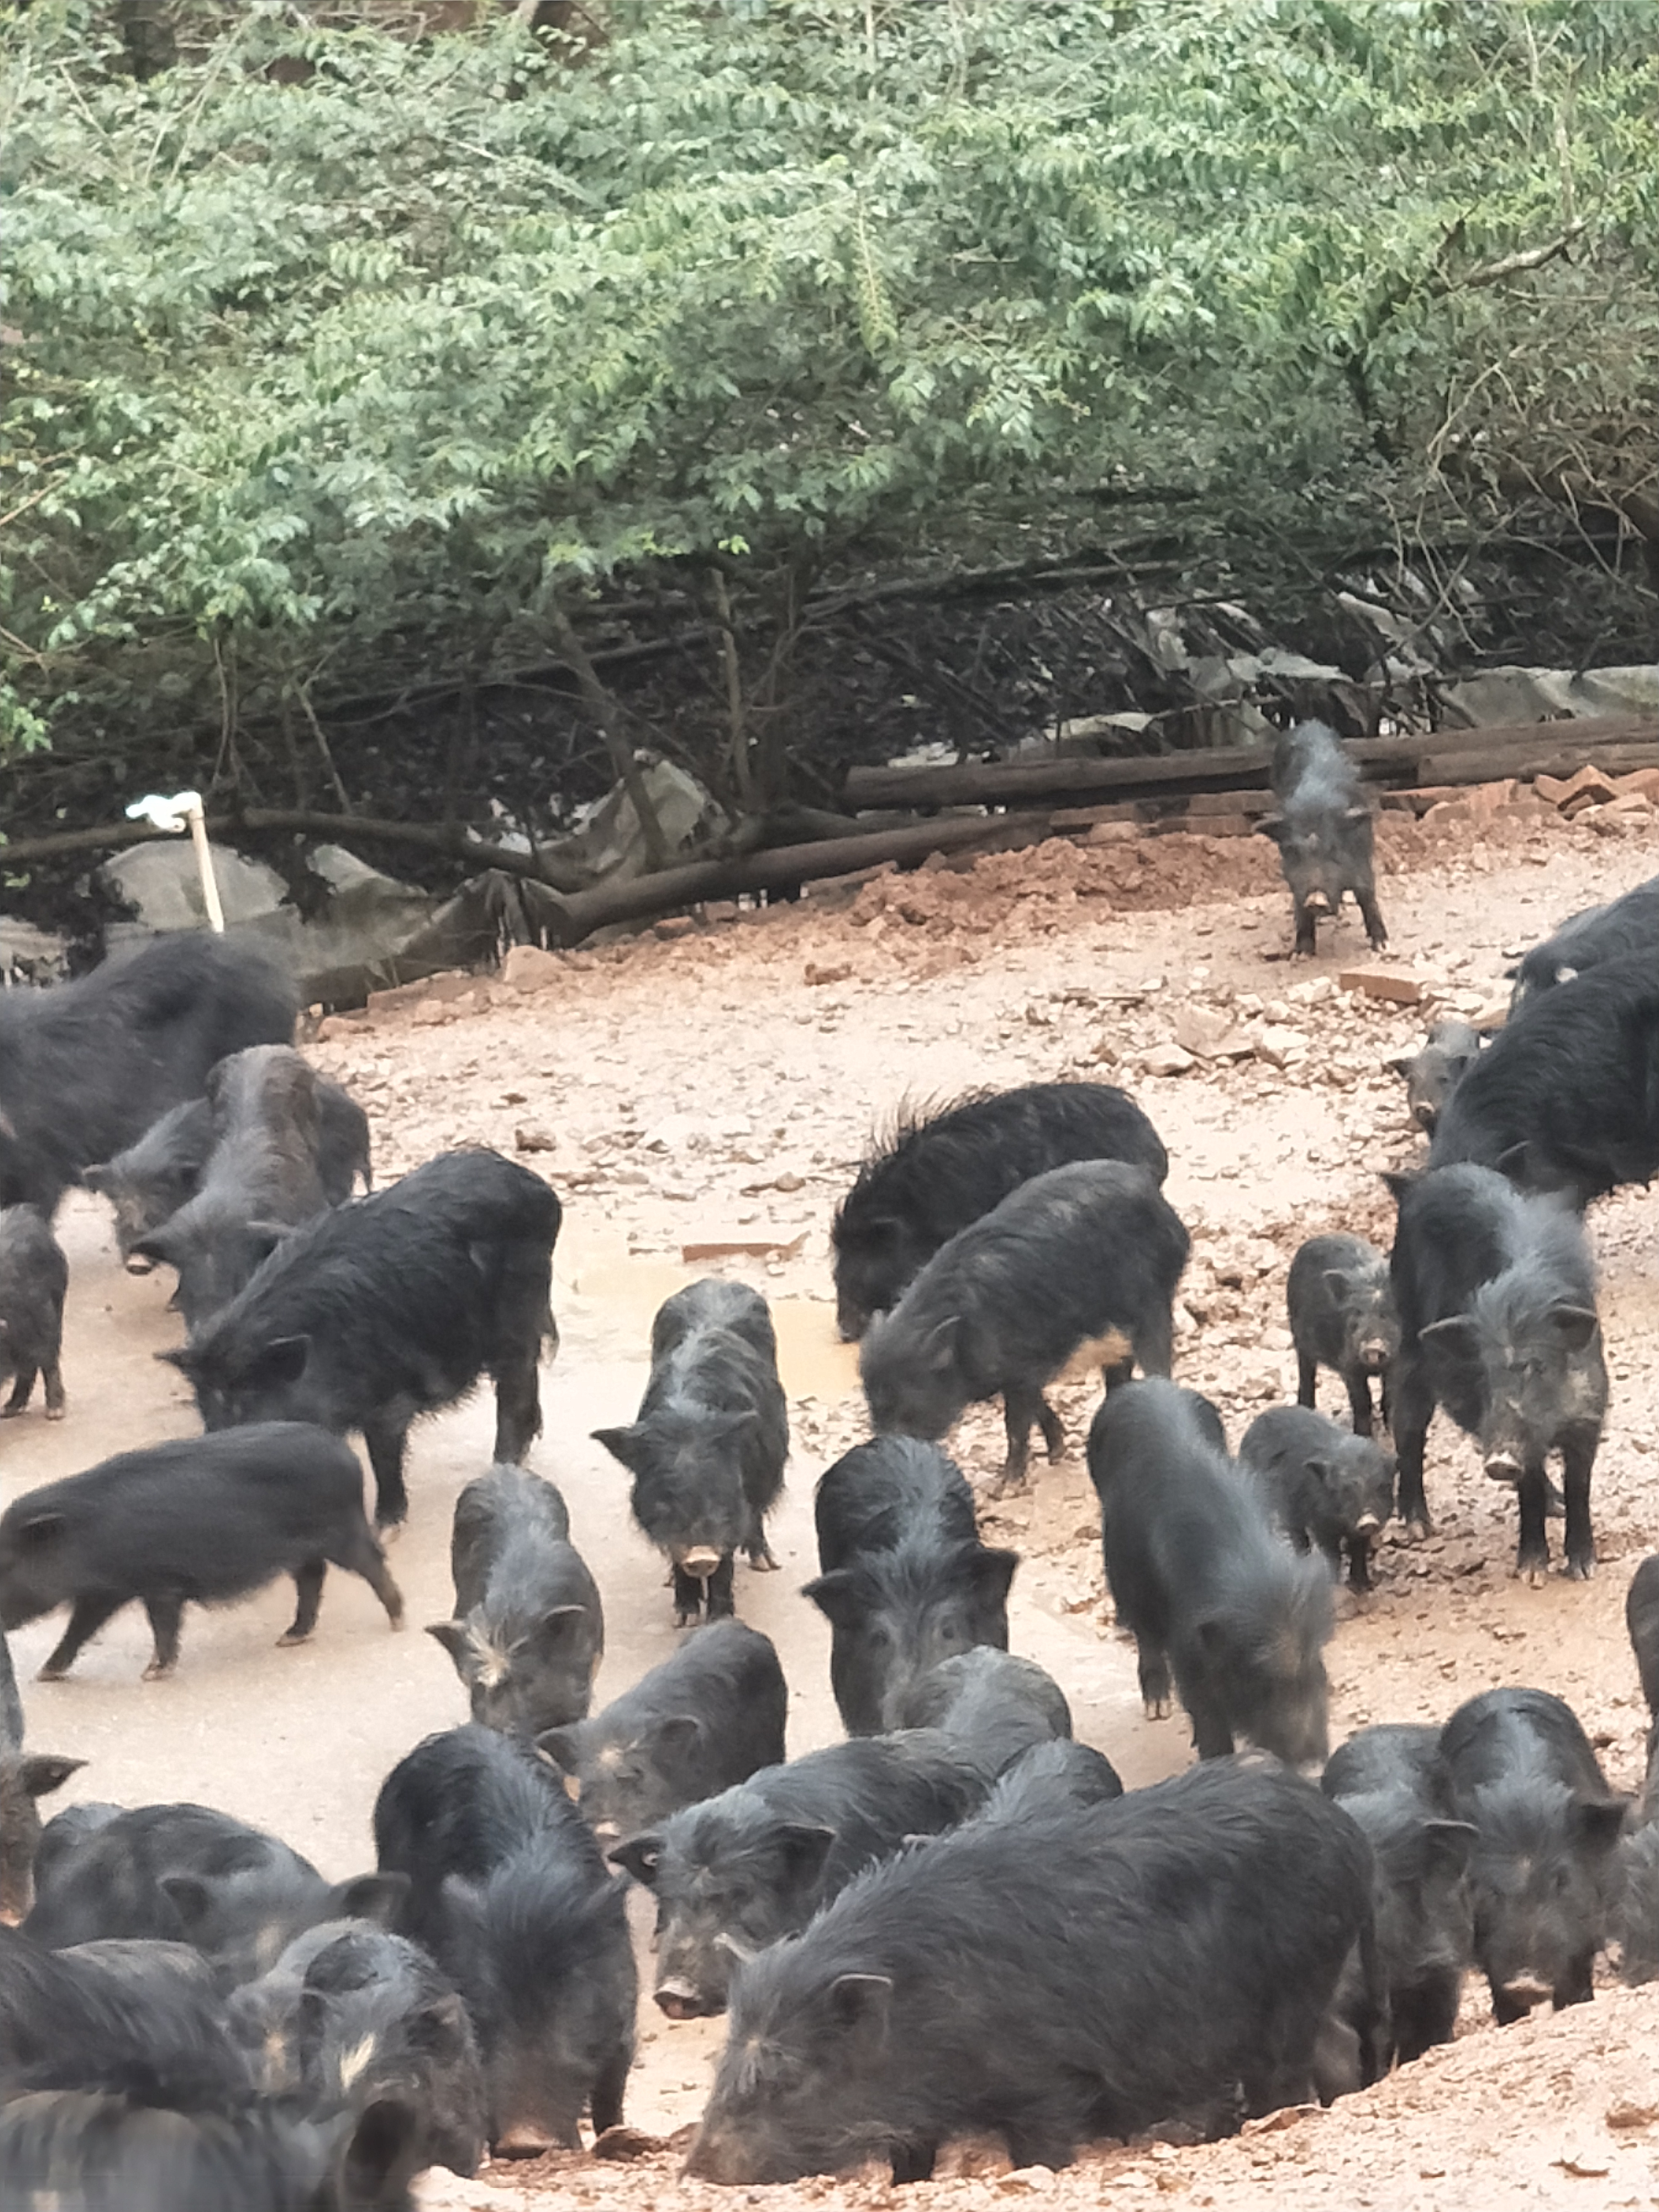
<point x="1079" y="778"/>
<point x="787" y="867"/>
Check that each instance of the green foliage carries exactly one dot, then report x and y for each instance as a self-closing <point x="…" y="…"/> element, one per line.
<point x="343" y="350"/>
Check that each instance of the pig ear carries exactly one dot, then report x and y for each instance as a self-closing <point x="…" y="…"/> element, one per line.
<point x="1271" y="825"/>
<point x="559" y="1747"/>
<point x="376" y="1897"/>
<point x="1402" y="1066"/>
<point x="991" y="1573"/>
<point x="1398" y="1184"/>
<point x="555" y="1626"/>
<point x="1601" y="1821"/>
<point x="939" y="1347"/>
<point x="94" y="1178"/>
<point x="804" y="1847"/>
<point x="1450" y="1842"/>
<point x="1320" y="1468"/>
<point x="282" y="1360"/>
<point x="190" y="1896"/>
<point x="833" y="1595"/>
<point x="183" y="1357"/>
<point x="1577" y="1324"/>
<point x="640" y="1855"/>
<point x="1338" y="1283"/>
<point x="861" y="2006"/>
<point x="1454" y="1334"/>
<point x="452" y="1634"/>
<point x="37" y="1530"/>
<point x="621" y="1444"/>
<point x="677" y="1734"/>
<point x="437" y="2026"/>
<point x="43" y="1771"/>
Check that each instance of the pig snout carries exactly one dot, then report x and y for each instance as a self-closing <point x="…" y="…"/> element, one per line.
<point x="681" y="1999"/>
<point x="1374" y="1356"/>
<point x="527" y="2138"/>
<point x="702" y="1562"/>
<point x="1367" y="1525"/>
<point x="1318" y="901"/>
<point x="1503" y="1464"/>
<point x="1526" y="1989"/>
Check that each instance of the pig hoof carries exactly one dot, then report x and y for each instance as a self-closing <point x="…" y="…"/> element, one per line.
<point x="52" y="1674"/>
<point x="158" y="1670"/>
<point x="1533" y="1572"/>
<point x="763" y="1563"/>
<point x="1156" y="1709"/>
<point x="1579" y="1571"/>
<point x="9" y="1412"/>
<point x="56" y="1412"/>
<point x="290" y="1637"/>
<point x="1418" y="1528"/>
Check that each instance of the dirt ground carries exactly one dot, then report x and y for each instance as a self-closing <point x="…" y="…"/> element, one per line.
<point x="717" y="1086"/>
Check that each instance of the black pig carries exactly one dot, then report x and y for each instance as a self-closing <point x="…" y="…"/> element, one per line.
<point x="1206" y="1584"/>
<point x="201" y="1520"/>
<point x="1083" y="1261"/>
<point x="711" y="1714"/>
<point x="1393" y="1784"/>
<point x="1020" y="1979"/>
<point x="25" y="1778"/>
<point x="1342" y="1316"/>
<point x="528" y="1630"/>
<point x="1326" y="1486"/>
<point x="1435" y="1070"/>
<point x="932" y="1176"/>
<point x="1566" y="1098"/>
<point x="509" y="1893"/>
<point x="906" y="1581"/>
<point x="1323" y="831"/>
<point x="1547" y="1831"/>
<point x="1497" y="1300"/>
<point x="707" y="1451"/>
<point x="86" y="1067"/>
<point x="995" y="1706"/>
<point x="739" y="1871"/>
<point x="183" y="1873"/>
<point x="33" y="1280"/>
<point x="1584" y="940"/>
<point x="394" y="1306"/>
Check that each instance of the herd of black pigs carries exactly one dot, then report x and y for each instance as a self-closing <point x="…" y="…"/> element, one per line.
<point x="955" y="1921"/>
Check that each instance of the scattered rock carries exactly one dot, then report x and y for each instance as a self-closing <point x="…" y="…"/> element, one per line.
<point x="528" y="967"/>
<point x="531" y="1137"/>
<point x="1167" y="1060"/>
<point x="1397" y="989"/>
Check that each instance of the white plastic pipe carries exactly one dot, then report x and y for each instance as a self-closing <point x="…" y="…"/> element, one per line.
<point x="185" y="809"/>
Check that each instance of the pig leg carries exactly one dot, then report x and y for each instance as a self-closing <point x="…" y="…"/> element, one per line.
<point x="1307" y="941"/>
<point x="1576" y="1985"/>
<point x="308" y="1594"/>
<point x="688" y="1598"/>
<point x="360" y="1555"/>
<point x="913" y="2161"/>
<point x="1413" y="1411"/>
<point x="21" y="1391"/>
<point x="718" y="1602"/>
<point x="1307" y="1372"/>
<point x="1212" y="1737"/>
<point x="1371" y="914"/>
<point x="518" y="1409"/>
<point x="387" y="1438"/>
<point x="1154" y="1343"/>
<point x="87" y="1617"/>
<point x="166" y="1616"/>
<point x="1359" y="1563"/>
<point x="606" y="2104"/>
<point x="1359" y="1401"/>
<point x="1153" y="1664"/>
<point x="55" y="1401"/>
<point x="1019" y="1412"/>
<point x="1532" y="1495"/>
<point x="1578" y="1460"/>
<point x="759" y="1553"/>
